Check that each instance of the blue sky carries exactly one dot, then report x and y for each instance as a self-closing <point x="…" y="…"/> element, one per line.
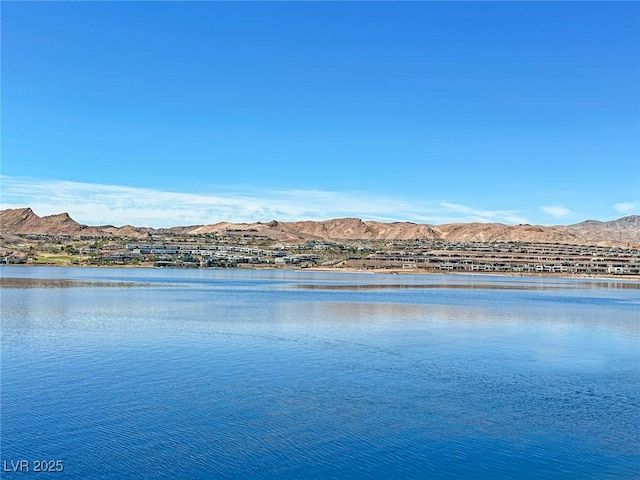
<point x="173" y="113"/>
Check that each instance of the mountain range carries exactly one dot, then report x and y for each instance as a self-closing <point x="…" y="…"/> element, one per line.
<point x="624" y="231"/>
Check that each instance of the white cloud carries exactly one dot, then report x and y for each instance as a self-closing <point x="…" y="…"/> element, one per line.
<point x="628" y="208"/>
<point x="476" y="215"/>
<point x="556" y="211"/>
<point x="96" y="204"/>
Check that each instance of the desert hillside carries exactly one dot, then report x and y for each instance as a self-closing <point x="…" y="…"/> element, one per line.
<point x="24" y="220"/>
<point x="623" y="231"/>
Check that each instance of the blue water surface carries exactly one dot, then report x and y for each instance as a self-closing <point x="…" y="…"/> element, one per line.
<point x="207" y="374"/>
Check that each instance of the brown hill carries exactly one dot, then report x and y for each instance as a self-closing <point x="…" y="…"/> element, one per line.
<point x="335" y="229"/>
<point x="24" y="220"/>
<point x="403" y="231"/>
<point x="498" y="232"/>
<point x="356" y="229"/>
<point x="624" y="231"/>
<point x="126" y="231"/>
<point x="274" y="230"/>
<point x="339" y="229"/>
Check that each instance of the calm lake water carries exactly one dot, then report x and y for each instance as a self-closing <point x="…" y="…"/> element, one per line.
<point x="213" y="374"/>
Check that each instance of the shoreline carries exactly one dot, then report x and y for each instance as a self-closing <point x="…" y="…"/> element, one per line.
<point x="378" y="271"/>
<point x="401" y="271"/>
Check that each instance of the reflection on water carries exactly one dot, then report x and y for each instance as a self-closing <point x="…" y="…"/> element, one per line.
<point x="472" y="286"/>
<point x="228" y="374"/>
<point x="392" y="286"/>
<point x="25" y="282"/>
<point x="451" y="314"/>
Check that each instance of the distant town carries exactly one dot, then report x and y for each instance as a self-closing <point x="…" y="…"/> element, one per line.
<point x="247" y="250"/>
<point x="587" y="249"/>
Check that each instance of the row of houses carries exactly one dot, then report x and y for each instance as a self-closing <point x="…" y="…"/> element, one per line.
<point x="297" y="259"/>
<point x="595" y="266"/>
<point x="199" y="250"/>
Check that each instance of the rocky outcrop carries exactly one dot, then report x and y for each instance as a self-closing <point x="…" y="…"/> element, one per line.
<point x="622" y="230"/>
<point x="24" y="220"/>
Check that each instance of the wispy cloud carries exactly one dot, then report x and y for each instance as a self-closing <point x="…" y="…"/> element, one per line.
<point x="476" y="215"/>
<point x="97" y="204"/>
<point x="556" y="211"/>
<point x="628" y="208"/>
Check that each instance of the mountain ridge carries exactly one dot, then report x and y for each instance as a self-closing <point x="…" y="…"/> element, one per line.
<point x="621" y="231"/>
